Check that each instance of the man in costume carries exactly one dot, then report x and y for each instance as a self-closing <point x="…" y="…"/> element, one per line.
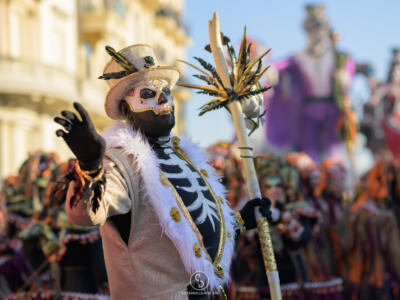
<point x="164" y="219"/>
<point x="305" y="110"/>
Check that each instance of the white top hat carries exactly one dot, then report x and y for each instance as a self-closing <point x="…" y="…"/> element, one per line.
<point x="129" y="67"/>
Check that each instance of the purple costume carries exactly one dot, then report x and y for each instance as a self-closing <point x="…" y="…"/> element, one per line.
<point x="296" y="118"/>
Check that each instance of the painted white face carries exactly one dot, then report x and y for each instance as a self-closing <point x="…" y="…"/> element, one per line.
<point x="154" y="95"/>
<point x="318" y="39"/>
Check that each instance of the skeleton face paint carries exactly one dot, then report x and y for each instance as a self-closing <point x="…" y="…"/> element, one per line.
<point x="152" y="96"/>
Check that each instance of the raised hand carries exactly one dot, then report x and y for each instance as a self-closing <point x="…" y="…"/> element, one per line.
<point x="81" y="137"/>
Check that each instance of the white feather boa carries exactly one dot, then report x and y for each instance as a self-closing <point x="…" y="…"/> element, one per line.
<point x="162" y="199"/>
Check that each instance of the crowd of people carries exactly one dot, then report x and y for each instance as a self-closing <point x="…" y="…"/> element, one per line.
<point x="329" y="242"/>
<point x="43" y="255"/>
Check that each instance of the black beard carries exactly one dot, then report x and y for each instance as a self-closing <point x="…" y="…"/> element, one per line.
<point x="150" y="124"/>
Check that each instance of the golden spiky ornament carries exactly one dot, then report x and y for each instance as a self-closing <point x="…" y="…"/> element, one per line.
<point x="244" y="76"/>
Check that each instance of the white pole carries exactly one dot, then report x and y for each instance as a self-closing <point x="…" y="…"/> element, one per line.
<point x="247" y="157"/>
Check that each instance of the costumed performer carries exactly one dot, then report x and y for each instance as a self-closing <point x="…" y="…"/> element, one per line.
<point x="310" y="99"/>
<point x="162" y="211"/>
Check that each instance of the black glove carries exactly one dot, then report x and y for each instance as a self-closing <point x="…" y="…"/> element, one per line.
<point x="248" y="215"/>
<point x="81" y="137"/>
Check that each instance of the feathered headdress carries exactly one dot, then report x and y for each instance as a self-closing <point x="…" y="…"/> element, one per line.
<point x="122" y="61"/>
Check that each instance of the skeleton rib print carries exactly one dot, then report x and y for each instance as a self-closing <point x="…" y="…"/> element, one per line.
<point x="194" y="193"/>
<point x="189" y="184"/>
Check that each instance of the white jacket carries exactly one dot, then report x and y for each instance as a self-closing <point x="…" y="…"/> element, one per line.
<point x="164" y="249"/>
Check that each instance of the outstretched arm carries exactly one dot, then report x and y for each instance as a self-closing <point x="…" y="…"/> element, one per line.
<point x="95" y="192"/>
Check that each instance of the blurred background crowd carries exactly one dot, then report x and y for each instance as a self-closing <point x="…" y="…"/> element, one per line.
<point x="329" y="164"/>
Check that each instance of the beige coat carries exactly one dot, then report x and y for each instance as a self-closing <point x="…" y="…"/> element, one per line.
<point x="160" y="256"/>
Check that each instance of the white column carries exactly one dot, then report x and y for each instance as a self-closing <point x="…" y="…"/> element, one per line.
<point x="3" y="28"/>
<point x="14" y="31"/>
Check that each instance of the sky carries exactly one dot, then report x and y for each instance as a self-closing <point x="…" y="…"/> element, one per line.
<point x="368" y="29"/>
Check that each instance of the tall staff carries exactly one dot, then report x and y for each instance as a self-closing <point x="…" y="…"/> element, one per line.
<point x="230" y="88"/>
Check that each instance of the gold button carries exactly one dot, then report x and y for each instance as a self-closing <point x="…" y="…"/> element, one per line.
<point x="204" y="172"/>
<point x="174" y="213"/>
<point x="229" y="235"/>
<point x="176" y="142"/>
<point x="197" y="250"/>
<point x="220" y="200"/>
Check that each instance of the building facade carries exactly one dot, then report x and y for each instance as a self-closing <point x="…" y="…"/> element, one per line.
<point x="51" y="53"/>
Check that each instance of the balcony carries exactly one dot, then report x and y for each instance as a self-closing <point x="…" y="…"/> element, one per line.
<point x="49" y="89"/>
<point x="35" y="78"/>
